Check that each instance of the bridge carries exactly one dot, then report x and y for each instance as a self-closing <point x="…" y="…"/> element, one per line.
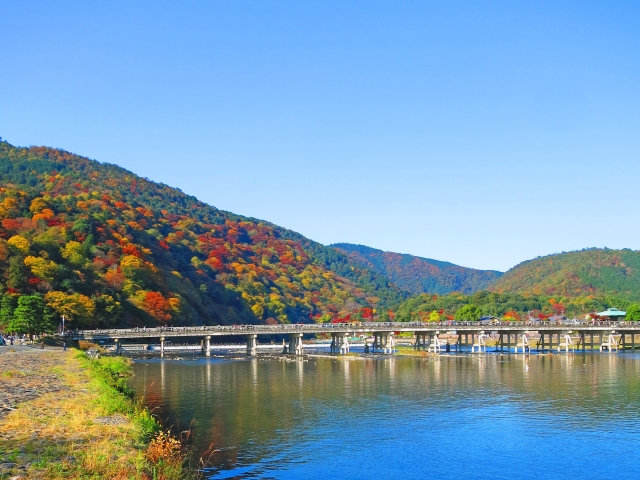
<point x="469" y="336"/>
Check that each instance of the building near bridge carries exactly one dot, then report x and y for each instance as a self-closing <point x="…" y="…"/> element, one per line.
<point x="613" y="314"/>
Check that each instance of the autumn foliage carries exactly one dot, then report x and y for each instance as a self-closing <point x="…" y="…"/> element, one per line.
<point x="104" y="247"/>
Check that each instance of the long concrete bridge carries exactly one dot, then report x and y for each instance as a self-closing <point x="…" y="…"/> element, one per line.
<point x="470" y="336"/>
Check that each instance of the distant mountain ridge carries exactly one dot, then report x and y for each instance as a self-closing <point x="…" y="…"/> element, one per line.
<point x="585" y="272"/>
<point x="418" y="275"/>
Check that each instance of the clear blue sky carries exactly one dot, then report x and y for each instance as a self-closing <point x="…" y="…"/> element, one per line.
<point x="481" y="133"/>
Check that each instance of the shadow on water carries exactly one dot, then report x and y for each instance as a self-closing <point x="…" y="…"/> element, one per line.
<point x="492" y="416"/>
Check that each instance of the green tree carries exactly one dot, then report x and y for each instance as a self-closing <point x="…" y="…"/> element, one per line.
<point x="17" y="273"/>
<point x="8" y="305"/>
<point x="633" y="312"/>
<point x="108" y="310"/>
<point x="32" y="316"/>
<point x="468" y="312"/>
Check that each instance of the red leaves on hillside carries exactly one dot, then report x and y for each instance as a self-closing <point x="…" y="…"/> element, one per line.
<point x="157" y="306"/>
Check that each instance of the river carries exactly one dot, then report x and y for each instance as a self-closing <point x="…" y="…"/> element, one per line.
<point x="490" y="416"/>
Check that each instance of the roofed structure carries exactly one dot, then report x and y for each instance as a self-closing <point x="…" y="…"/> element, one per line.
<point x="612" y="313"/>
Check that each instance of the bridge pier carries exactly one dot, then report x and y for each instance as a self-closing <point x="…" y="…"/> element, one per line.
<point x="161" y="346"/>
<point x="118" y="346"/>
<point x="421" y="341"/>
<point x="207" y="346"/>
<point x="340" y="343"/>
<point x="383" y="341"/>
<point x="524" y="344"/>
<point x="479" y="344"/>
<point x="252" y="344"/>
<point x="564" y="340"/>
<point x="295" y="344"/>
<point x="434" y="343"/>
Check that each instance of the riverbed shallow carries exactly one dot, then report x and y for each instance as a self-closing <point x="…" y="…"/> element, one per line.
<point x="446" y="416"/>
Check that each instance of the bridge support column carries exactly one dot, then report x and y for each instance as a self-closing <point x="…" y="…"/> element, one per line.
<point x="389" y="343"/>
<point x="582" y="340"/>
<point x="295" y="344"/>
<point x="252" y="344"/>
<point x="207" y="346"/>
<point x="340" y="343"/>
<point x="118" y="346"/>
<point x="383" y="341"/>
<point x="162" y="346"/>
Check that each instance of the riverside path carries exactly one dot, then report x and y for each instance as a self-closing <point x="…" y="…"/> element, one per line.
<point x="461" y="336"/>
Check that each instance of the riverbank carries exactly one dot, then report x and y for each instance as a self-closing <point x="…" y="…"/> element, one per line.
<point x="63" y="415"/>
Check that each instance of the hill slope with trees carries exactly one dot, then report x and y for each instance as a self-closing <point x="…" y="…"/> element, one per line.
<point x="419" y="275"/>
<point x="102" y="246"/>
<point x="591" y="271"/>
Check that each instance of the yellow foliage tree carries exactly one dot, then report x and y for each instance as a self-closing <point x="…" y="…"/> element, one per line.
<point x="258" y="310"/>
<point x="72" y="251"/>
<point x="37" y="205"/>
<point x="41" y="268"/>
<point x="19" y="243"/>
<point x="8" y="207"/>
<point x="75" y="307"/>
<point x="174" y="303"/>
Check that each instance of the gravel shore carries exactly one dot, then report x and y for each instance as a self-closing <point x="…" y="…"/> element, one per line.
<point x="25" y="374"/>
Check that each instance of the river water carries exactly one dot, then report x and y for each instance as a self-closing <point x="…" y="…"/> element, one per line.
<point x="491" y="416"/>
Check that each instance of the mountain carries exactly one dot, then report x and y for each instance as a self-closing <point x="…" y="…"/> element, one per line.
<point x="571" y="274"/>
<point x="419" y="275"/>
<point x="106" y="247"/>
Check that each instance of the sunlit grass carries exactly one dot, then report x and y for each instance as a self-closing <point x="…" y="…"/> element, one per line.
<point x="60" y="434"/>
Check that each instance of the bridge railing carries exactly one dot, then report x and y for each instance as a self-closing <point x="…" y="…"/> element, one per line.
<point x="324" y="327"/>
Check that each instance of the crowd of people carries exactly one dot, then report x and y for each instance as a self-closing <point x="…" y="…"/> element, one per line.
<point x="13" y="339"/>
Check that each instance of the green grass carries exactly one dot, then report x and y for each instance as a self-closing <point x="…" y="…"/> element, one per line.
<point x="71" y="444"/>
<point x="108" y="377"/>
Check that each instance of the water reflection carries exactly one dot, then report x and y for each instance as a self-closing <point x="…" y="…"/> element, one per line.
<point x="421" y="416"/>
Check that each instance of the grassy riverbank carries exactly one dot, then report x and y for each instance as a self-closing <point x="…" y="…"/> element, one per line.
<point x="86" y="426"/>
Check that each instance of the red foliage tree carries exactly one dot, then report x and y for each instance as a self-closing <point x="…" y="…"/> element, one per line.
<point x="157" y="306"/>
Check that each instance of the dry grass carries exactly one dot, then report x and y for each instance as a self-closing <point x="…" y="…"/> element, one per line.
<point x="91" y="429"/>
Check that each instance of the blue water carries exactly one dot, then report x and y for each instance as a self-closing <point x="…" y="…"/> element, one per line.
<point x="496" y="416"/>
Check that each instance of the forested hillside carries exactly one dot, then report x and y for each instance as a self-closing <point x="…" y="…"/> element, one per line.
<point x="419" y="275"/>
<point x="572" y="274"/>
<point x="508" y="306"/>
<point x="102" y="246"/>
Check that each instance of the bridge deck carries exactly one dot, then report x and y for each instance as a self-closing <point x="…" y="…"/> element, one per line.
<point x="356" y="329"/>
